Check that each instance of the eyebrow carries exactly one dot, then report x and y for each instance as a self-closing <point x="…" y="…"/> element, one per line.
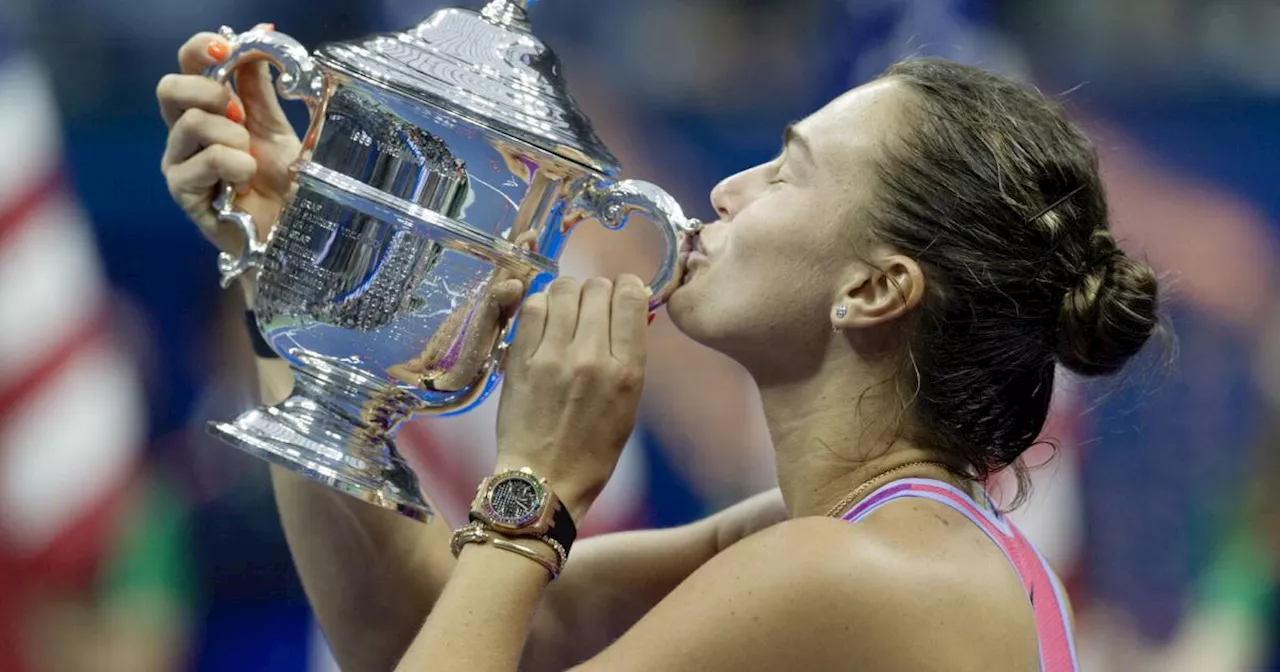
<point x="792" y="136"/>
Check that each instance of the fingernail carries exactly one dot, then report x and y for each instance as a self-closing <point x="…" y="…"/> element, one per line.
<point x="266" y="26"/>
<point x="218" y="50"/>
<point x="651" y="316"/>
<point x="234" y="113"/>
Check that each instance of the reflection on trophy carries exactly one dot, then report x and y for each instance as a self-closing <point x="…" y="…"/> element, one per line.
<point x="443" y="170"/>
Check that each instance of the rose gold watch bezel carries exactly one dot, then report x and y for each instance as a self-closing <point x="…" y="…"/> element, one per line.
<point x="535" y="524"/>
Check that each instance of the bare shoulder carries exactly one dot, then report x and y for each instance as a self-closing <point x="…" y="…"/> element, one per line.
<point x="936" y="574"/>
<point x="819" y="593"/>
<point x="913" y="571"/>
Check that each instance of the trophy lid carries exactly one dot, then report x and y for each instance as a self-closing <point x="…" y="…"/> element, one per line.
<point x="486" y="66"/>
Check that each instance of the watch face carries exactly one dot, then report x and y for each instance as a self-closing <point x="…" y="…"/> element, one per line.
<point x="514" y="500"/>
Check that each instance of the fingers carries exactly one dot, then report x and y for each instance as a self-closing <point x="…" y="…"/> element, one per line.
<point x="564" y="298"/>
<point x="630" y="317"/>
<point x="254" y="85"/>
<point x="179" y="93"/>
<point x="592" y="332"/>
<point x="529" y="329"/>
<point x="261" y="104"/>
<point x="597" y="316"/>
<point x="501" y="300"/>
<point x="197" y="129"/>
<point x="506" y="295"/>
<point x="191" y="180"/>
<point x="200" y="52"/>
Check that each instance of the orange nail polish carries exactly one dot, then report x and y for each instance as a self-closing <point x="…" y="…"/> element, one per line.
<point x="234" y="113"/>
<point x="218" y="50"/>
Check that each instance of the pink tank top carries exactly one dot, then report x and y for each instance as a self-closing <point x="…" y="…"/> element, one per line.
<point x="1053" y="624"/>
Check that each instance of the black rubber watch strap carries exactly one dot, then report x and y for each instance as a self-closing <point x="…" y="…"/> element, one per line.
<point x="562" y="528"/>
<point x="260" y="346"/>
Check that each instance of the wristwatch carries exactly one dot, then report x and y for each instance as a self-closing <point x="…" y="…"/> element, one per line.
<point x="520" y="504"/>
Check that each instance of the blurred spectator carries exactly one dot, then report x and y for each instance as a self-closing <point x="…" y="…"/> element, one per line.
<point x="90" y="553"/>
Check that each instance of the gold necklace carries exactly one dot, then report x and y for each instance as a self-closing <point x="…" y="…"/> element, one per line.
<point x="848" y="499"/>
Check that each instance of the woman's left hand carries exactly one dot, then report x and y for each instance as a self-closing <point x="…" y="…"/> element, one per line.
<point x="574" y="375"/>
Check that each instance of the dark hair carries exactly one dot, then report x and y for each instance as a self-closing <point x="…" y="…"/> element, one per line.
<point x="998" y="198"/>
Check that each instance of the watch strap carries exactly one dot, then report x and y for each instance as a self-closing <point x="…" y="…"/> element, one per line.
<point x="563" y="530"/>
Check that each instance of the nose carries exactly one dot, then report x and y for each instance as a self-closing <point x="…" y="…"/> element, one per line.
<point x="736" y="191"/>
<point x="726" y="195"/>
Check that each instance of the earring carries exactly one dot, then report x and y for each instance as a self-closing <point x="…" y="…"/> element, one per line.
<point x="841" y="311"/>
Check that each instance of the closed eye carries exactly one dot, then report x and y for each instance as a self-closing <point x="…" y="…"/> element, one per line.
<point x="777" y="177"/>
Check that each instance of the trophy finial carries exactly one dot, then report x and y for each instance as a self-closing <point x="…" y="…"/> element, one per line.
<point x="508" y="13"/>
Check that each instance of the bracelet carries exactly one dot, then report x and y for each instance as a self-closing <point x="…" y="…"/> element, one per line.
<point x="562" y="555"/>
<point x="475" y="534"/>
<point x="528" y="553"/>
<point x="260" y="346"/>
<point x="467" y="534"/>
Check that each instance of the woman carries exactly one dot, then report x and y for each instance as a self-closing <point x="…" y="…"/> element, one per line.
<point x="900" y="283"/>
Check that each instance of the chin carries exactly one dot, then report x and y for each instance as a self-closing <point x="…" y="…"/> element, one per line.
<point x="695" y="314"/>
<point x="682" y="308"/>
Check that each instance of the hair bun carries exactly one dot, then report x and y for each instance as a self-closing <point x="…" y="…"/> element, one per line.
<point x="1105" y="320"/>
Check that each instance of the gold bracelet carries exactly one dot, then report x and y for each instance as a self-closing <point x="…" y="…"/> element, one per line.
<point x="470" y="533"/>
<point x="467" y="534"/>
<point x="527" y="552"/>
<point x="477" y="534"/>
<point x="561" y="554"/>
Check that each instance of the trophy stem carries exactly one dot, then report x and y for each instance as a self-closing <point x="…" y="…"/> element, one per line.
<point x="336" y="429"/>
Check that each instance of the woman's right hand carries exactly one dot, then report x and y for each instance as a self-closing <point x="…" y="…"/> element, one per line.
<point x="243" y="139"/>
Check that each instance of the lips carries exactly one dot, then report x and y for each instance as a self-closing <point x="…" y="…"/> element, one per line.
<point x="697" y="252"/>
<point x="692" y="254"/>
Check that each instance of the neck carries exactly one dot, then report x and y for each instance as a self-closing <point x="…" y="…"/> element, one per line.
<point x="831" y="436"/>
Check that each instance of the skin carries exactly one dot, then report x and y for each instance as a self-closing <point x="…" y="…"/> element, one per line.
<point x="913" y="587"/>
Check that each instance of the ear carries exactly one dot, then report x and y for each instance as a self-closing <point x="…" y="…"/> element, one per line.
<point x="873" y="296"/>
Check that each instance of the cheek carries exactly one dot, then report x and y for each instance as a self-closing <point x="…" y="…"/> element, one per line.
<point x="771" y="278"/>
<point x="756" y="290"/>
<point x="784" y="260"/>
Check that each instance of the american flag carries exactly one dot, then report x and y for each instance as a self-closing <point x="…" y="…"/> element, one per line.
<point x="71" y="410"/>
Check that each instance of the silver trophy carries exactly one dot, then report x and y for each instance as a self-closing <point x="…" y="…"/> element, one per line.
<point x="439" y="162"/>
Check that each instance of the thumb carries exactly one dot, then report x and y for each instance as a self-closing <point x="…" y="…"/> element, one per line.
<point x="261" y="104"/>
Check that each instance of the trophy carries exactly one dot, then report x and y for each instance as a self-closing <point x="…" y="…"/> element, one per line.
<point x="440" y="162"/>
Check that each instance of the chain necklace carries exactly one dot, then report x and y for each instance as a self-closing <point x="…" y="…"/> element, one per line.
<point x="848" y="499"/>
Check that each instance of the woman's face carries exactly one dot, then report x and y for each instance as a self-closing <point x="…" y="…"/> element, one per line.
<point x="764" y="279"/>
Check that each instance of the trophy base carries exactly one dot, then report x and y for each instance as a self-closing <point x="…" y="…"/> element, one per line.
<point x="289" y="435"/>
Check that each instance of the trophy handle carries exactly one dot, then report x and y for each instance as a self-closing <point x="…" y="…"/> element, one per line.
<point x="616" y="201"/>
<point x="299" y="79"/>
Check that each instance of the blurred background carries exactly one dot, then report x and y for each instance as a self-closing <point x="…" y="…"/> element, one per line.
<point x="131" y="541"/>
